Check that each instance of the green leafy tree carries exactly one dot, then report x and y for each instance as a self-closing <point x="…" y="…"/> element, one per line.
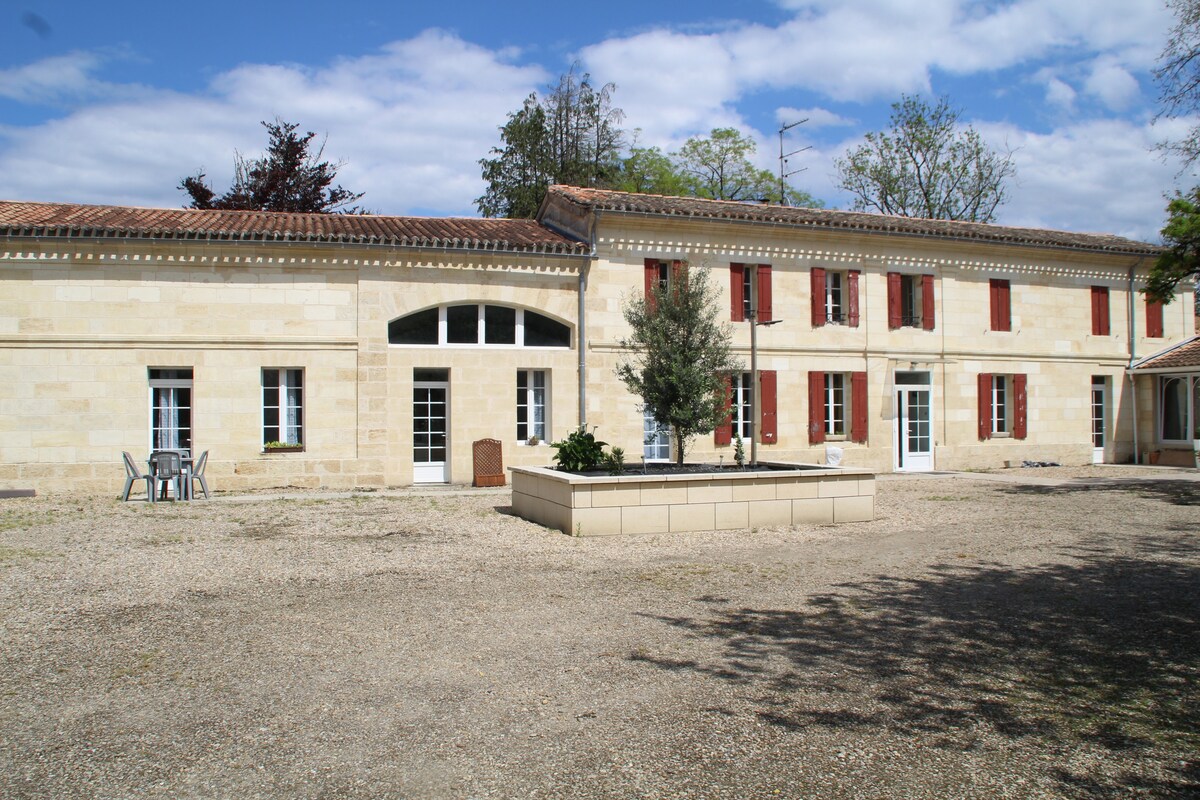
<point x="718" y="167"/>
<point x="677" y="357"/>
<point x="648" y="170"/>
<point x="1178" y="77"/>
<point x="1181" y="259"/>
<point x="570" y="136"/>
<point x="926" y="166"/>
<point x="287" y="178"/>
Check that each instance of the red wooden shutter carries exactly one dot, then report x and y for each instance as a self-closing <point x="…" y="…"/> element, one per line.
<point x="985" y="405"/>
<point x="1001" y="305"/>
<point x="816" y="407"/>
<point x="895" y="317"/>
<point x="766" y="391"/>
<point x="858" y="407"/>
<point x="818" y="297"/>
<point x="764" y="292"/>
<point x="1100" y="311"/>
<point x="927" y="302"/>
<point x="1154" y="319"/>
<point x="852" y="298"/>
<point x="723" y="434"/>
<point x="737" y="299"/>
<point x="651" y="281"/>
<point x="1020" y="406"/>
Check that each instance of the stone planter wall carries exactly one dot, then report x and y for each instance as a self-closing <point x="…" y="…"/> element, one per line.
<point x="635" y="503"/>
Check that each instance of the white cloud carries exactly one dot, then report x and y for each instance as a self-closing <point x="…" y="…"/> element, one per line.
<point x="814" y="118"/>
<point x="1059" y="93"/>
<point x="410" y="121"/>
<point x="54" y="80"/>
<point x="1112" y="84"/>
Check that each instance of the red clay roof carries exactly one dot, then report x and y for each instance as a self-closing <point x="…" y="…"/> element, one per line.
<point x="1184" y="356"/>
<point x="624" y="202"/>
<point x="60" y="219"/>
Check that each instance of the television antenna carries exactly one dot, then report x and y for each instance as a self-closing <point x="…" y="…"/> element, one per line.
<point x="784" y="174"/>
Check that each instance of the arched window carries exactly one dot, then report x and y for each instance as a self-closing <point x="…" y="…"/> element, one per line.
<point x="477" y="324"/>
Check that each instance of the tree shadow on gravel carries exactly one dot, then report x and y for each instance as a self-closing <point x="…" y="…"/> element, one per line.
<point x="1180" y="493"/>
<point x="1102" y="652"/>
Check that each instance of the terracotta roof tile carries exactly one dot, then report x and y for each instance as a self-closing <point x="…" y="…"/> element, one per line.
<point x="1180" y="356"/>
<point x="60" y="219"/>
<point x="605" y="200"/>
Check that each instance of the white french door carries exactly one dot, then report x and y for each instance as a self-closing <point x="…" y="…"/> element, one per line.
<point x="431" y="426"/>
<point x="913" y="428"/>
<point x="1099" y="418"/>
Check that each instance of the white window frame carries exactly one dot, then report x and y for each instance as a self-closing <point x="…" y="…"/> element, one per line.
<point x="837" y="406"/>
<point x="835" y="297"/>
<point x="1189" y="409"/>
<point x="480" y="339"/>
<point x="534" y="395"/>
<point x="172" y="384"/>
<point x="656" y="438"/>
<point x="1001" y="405"/>
<point x="912" y="289"/>
<point x="740" y="402"/>
<point x="289" y="385"/>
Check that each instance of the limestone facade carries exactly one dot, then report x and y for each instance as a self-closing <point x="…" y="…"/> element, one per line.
<point x="88" y="317"/>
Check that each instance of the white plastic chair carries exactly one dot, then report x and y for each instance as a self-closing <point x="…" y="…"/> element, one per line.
<point x="165" y="469"/>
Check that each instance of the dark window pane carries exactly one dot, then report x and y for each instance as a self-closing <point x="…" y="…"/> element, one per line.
<point x="418" y="328"/>
<point x="431" y="375"/>
<point x="271" y="417"/>
<point x="271" y="395"/>
<point x="462" y="324"/>
<point x="500" y="325"/>
<point x="542" y="331"/>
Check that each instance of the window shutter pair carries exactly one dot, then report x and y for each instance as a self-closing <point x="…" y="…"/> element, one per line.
<point x="651" y="272"/>
<point x="1154" y="319"/>
<point x="817" y="281"/>
<point x="1100" y="311"/>
<point x="896" y="302"/>
<point x="816" y="407"/>
<point x="1001" y="304"/>
<point x="737" y="296"/>
<point x="1020" y="405"/>
<point x="768" y="415"/>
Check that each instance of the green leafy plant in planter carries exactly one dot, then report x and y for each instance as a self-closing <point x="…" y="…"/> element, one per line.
<point x="277" y="445"/>
<point x="579" y="452"/>
<point x="614" y="461"/>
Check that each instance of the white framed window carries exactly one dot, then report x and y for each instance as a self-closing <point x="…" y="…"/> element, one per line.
<point x="911" y="301"/>
<point x="478" y="325"/>
<point x="1179" y="408"/>
<point x="747" y="291"/>
<point x="656" y="437"/>
<point x="283" y="405"/>
<point x="837" y="405"/>
<point x="835" y="308"/>
<point x="532" y="405"/>
<point x="742" y="389"/>
<point x="170" y="408"/>
<point x="1001" y="405"/>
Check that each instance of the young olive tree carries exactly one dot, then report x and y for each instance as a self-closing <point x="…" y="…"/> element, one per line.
<point x="677" y="357"/>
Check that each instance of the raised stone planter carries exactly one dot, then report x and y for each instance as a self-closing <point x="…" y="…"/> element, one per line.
<point x="785" y="494"/>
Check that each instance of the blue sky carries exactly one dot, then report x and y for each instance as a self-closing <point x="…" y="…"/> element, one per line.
<point x="115" y="102"/>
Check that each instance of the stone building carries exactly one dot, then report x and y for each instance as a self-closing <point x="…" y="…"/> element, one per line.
<point x="344" y="351"/>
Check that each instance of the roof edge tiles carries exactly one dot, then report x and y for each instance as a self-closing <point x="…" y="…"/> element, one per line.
<point x="1182" y="356"/>
<point x="67" y="220"/>
<point x="698" y="208"/>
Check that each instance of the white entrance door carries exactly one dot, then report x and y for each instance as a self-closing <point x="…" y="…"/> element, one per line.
<point x="913" y="428"/>
<point x="1099" y="418"/>
<point x="430" y="431"/>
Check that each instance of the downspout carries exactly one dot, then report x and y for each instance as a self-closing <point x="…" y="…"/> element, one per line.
<point x="582" y="331"/>
<point x="1133" y="357"/>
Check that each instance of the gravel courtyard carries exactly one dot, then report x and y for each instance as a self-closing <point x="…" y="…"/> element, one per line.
<point x="978" y="639"/>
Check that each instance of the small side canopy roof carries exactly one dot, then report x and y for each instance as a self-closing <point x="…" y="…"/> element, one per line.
<point x="1182" y="357"/>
